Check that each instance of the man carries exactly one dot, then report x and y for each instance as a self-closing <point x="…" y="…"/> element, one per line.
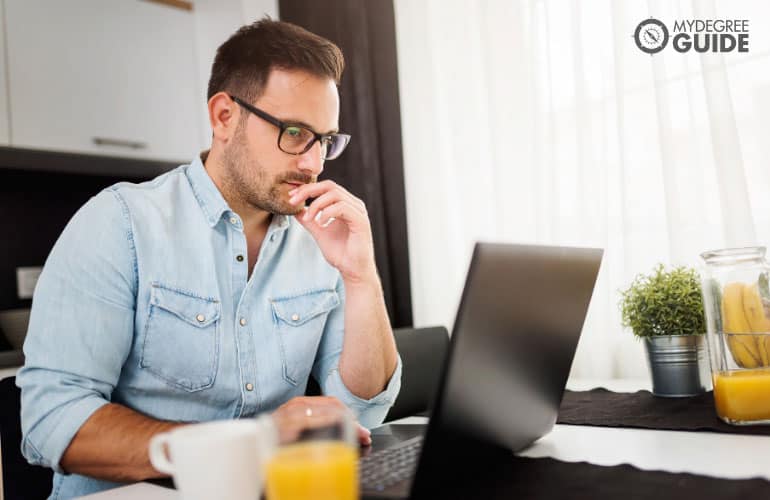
<point x="212" y="292"/>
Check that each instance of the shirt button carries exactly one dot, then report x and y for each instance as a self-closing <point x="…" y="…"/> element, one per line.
<point x="239" y="258"/>
<point x="233" y="221"/>
<point x="295" y="317"/>
<point x="249" y="387"/>
<point x="201" y="318"/>
<point x="272" y="237"/>
<point x="243" y="321"/>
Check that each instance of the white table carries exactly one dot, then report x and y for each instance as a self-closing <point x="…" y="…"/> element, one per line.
<point x="705" y="453"/>
<point x="711" y="454"/>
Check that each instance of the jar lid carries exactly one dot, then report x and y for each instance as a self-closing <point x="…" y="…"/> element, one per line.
<point x="733" y="255"/>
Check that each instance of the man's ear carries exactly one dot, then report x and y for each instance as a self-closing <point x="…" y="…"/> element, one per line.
<point x="224" y="114"/>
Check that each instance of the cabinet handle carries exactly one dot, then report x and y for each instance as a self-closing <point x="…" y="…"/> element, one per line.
<point x="106" y="141"/>
<point x="177" y="4"/>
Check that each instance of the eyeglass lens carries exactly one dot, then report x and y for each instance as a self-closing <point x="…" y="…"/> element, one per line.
<point x="297" y="140"/>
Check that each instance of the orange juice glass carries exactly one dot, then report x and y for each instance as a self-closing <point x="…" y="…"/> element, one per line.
<point x="735" y="284"/>
<point x="317" y="459"/>
<point x="743" y="396"/>
<point x="318" y="470"/>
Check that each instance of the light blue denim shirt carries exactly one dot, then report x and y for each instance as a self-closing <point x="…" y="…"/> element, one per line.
<point x="145" y="301"/>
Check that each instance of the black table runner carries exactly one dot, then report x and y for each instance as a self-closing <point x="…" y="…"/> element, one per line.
<point x="600" y="407"/>
<point x="550" y="479"/>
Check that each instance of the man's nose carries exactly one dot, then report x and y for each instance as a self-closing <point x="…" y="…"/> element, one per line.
<point x="310" y="161"/>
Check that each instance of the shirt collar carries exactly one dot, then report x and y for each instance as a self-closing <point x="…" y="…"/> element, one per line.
<point x="206" y="192"/>
<point x="211" y="201"/>
<point x="280" y="221"/>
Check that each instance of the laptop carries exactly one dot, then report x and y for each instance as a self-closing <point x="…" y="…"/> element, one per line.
<point x="514" y="339"/>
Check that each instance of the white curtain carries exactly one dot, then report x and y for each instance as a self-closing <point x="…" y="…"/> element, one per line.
<point x="540" y="121"/>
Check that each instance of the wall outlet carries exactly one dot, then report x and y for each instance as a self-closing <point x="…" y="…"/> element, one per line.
<point x="26" y="279"/>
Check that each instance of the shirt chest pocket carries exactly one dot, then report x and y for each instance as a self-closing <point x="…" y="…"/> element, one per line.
<point x="299" y="324"/>
<point x="181" y="341"/>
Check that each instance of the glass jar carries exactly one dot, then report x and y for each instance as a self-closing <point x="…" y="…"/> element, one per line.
<point x="736" y="299"/>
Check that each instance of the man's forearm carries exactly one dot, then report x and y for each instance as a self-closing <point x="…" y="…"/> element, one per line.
<point x="369" y="354"/>
<point x="112" y="445"/>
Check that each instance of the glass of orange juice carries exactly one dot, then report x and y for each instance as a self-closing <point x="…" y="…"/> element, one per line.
<point x="736" y="299"/>
<point x="319" y="463"/>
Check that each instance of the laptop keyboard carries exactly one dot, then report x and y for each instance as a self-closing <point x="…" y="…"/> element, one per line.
<point x="382" y="469"/>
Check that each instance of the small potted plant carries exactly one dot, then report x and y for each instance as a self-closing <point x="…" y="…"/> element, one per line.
<point x="665" y="309"/>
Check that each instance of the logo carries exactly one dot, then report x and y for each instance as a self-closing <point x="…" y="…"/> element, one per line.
<point x="651" y="36"/>
<point x="698" y="35"/>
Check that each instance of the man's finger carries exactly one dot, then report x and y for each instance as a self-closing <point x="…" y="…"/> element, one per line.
<point x="323" y="201"/>
<point x="364" y="435"/>
<point x="300" y="194"/>
<point x="343" y="210"/>
<point x="315" y="189"/>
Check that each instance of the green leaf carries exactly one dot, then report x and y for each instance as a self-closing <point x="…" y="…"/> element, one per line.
<point x="664" y="303"/>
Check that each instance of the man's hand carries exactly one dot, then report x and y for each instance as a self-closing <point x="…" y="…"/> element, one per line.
<point x="308" y="412"/>
<point x="344" y="235"/>
<point x="338" y="222"/>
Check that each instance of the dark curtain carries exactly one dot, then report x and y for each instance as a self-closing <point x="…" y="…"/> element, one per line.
<point x="372" y="166"/>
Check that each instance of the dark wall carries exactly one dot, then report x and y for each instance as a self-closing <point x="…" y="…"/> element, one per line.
<point x="39" y="192"/>
<point x="372" y="166"/>
<point x="34" y="208"/>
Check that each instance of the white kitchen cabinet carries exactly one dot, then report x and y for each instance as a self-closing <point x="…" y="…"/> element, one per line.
<point x="215" y="22"/>
<point x="114" y="77"/>
<point x="4" y="118"/>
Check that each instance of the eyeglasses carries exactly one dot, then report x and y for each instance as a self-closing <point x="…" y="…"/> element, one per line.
<point x="297" y="139"/>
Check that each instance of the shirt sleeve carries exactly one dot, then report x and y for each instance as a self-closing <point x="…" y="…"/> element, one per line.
<point x="81" y="328"/>
<point x="370" y="412"/>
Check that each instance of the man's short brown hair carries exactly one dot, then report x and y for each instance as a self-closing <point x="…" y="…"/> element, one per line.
<point x="244" y="61"/>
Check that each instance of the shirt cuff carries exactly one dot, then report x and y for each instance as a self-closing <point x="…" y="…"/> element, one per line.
<point x="45" y="446"/>
<point x="370" y="412"/>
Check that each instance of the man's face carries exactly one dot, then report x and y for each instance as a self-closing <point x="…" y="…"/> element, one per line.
<point x="259" y="173"/>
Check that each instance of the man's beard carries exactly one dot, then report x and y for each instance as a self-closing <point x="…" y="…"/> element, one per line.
<point x="248" y="182"/>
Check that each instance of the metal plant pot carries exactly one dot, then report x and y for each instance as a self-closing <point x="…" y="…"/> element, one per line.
<point x="679" y="365"/>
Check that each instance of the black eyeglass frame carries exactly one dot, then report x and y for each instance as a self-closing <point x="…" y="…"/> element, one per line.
<point x="282" y="126"/>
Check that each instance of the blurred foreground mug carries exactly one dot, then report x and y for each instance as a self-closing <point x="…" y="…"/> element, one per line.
<point x="223" y="459"/>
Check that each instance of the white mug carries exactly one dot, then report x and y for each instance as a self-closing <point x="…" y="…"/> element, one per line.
<point x="223" y="459"/>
